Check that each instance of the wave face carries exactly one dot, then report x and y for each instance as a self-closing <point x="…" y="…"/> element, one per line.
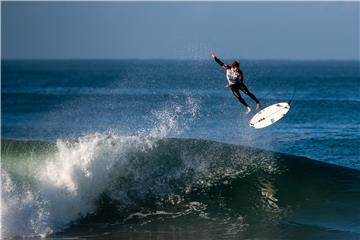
<point x="133" y="185"/>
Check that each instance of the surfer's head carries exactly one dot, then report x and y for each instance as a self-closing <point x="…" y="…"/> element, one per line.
<point x="235" y="66"/>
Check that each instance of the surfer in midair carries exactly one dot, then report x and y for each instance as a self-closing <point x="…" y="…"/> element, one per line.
<point x="235" y="79"/>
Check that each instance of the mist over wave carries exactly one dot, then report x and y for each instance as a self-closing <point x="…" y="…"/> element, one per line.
<point x="48" y="185"/>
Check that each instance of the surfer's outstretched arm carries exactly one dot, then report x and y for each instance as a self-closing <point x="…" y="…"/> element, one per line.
<point x="219" y="62"/>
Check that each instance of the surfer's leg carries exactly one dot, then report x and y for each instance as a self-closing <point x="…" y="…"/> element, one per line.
<point x="247" y="92"/>
<point x="236" y="93"/>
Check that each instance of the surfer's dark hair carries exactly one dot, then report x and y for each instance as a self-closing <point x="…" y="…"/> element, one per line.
<point x="235" y="64"/>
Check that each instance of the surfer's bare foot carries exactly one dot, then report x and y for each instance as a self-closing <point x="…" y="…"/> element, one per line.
<point x="257" y="106"/>
<point x="248" y="109"/>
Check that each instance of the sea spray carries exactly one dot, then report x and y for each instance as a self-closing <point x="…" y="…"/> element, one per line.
<point x="66" y="184"/>
<point x="23" y="212"/>
<point x="172" y="120"/>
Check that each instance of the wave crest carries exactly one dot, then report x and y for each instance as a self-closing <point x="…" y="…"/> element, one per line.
<point x="132" y="177"/>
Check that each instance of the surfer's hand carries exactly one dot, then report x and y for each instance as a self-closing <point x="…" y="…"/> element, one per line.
<point x="213" y="55"/>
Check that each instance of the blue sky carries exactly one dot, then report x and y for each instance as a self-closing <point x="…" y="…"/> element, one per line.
<point x="180" y="30"/>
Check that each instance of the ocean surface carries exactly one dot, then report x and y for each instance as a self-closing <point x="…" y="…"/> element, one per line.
<point x="160" y="149"/>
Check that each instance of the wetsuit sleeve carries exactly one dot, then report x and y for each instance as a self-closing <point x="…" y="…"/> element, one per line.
<point x="225" y="66"/>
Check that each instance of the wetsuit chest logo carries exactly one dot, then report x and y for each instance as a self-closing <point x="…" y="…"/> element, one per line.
<point x="231" y="75"/>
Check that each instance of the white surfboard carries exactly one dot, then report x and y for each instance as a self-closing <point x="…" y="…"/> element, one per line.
<point x="269" y="115"/>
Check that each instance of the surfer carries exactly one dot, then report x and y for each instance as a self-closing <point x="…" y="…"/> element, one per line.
<point x="235" y="79"/>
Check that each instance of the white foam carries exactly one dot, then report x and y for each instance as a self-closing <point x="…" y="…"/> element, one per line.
<point x="22" y="213"/>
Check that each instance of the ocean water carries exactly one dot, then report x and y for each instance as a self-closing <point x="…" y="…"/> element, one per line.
<point x="160" y="149"/>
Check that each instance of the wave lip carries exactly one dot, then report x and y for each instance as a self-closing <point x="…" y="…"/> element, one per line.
<point x="126" y="180"/>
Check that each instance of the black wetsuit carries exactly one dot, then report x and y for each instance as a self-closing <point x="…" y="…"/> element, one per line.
<point x="236" y="83"/>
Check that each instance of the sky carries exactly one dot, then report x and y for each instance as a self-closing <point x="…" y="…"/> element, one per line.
<point x="180" y="30"/>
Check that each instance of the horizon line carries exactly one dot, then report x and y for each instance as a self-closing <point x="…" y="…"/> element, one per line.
<point x="178" y="59"/>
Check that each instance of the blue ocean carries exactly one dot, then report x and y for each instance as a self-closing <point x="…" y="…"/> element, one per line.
<point x="161" y="149"/>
